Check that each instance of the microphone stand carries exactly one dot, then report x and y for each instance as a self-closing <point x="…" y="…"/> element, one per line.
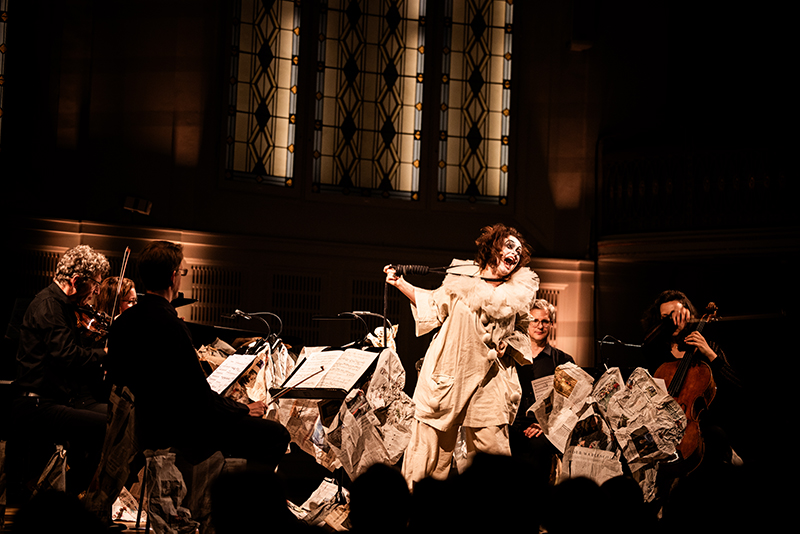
<point x="385" y="313"/>
<point x="613" y="341"/>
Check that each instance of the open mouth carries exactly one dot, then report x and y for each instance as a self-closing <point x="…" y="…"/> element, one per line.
<point x="510" y="262"/>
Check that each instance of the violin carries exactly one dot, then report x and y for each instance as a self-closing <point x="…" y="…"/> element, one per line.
<point x="93" y="324"/>
<point x="691" y="383"/>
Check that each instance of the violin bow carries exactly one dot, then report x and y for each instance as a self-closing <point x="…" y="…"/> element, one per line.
<point x="125" y="256"/>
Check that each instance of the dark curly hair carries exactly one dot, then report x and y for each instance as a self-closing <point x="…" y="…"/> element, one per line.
<point x="652" y="316"/>
<point x="490" y="246"/>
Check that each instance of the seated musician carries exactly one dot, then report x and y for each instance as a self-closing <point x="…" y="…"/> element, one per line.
<point x="670" y="323"/>
<point x="55" y="367"/>
<point x="150" y="350"/>
<point x="528" y="443"/>
<point x="114" y="297"/>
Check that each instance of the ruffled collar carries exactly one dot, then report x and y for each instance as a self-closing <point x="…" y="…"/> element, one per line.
<point x="510" y="298"/>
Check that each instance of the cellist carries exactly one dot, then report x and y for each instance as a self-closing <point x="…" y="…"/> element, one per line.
<point x="670" y="323"/>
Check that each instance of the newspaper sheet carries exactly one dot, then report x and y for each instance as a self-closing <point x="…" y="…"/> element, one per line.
<point x="596" y="425"/>
<point x="327" y="505"/>
<point x="591" y="451"/>
<point x="276" y="369"/>
<point x="558" y="412"/>
<point x="647" y="422"/>
<point x="369" y="426"/>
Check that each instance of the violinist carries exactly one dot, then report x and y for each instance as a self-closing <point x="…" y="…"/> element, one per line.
<point x="672" y="334"/>
<point x="114" y="297"/>
<point x="55" y="366"/>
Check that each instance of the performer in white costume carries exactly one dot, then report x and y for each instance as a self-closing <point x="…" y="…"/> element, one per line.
<point x="468" y="377"/>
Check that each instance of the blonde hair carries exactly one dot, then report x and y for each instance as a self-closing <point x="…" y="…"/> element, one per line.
<point x="546" y="306"/>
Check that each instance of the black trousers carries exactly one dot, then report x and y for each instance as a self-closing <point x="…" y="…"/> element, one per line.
<point x="262" y="442"/>
<point x="39" y="423"/>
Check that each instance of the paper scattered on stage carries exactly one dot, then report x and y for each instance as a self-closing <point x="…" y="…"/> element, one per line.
<point x="596" y="424"/>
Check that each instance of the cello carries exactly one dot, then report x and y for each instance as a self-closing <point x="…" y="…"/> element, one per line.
<point x="691" y="383"/>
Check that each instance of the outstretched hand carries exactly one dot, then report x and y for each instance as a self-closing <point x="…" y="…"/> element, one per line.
<point x="391" y="275"/>
<point x="400" y="283"/>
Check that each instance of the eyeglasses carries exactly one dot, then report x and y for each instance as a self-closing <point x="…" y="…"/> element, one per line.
<point x="95" y="283"/>
<point x="130" y="301"/>
<point x="543" y="322"/>
<point x="182" y="272"/>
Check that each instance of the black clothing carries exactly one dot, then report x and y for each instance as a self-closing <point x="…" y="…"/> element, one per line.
<point x="150" y="350"/>
<point x="538" y="451"/>
<point x="544" y="364"/>
<point x="54" y="373"/>
<point x="724" y="409"/>
<point x="52" y="360"/>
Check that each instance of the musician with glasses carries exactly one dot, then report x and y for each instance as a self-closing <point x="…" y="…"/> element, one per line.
<point x="151" y="352"/>
<point x="115" y="297"/>
<point x="528" y="442"/>
<point x="55" y="367"/>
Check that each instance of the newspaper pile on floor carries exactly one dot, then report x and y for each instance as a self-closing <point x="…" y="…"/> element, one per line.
<point x="598" y="425"/>
<point x="328" y="507"/>
<point x="369" y="426"/>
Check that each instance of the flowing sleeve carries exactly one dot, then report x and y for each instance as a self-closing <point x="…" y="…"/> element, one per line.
<point x="431" y="310"/>
<point x="519" y="343"/>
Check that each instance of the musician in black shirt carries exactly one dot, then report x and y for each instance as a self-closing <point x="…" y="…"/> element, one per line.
<point x="151" y="352"/>
<point x="56" y="367"/>
<point x="527" y="440"/>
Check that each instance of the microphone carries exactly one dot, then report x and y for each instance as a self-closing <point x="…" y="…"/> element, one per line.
<point x="402" y="270"/>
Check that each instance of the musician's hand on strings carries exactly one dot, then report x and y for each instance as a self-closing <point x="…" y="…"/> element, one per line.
<point x="533" y="431"/>
<point x="696" y="339"/>
<point x="257" y="409"/>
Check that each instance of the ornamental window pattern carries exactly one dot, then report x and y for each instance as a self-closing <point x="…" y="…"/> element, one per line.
<point x="474" y="108"/>
<point x="368" y="115"/>
<point x="366" y="131"/>
<point x="262" y="98"/>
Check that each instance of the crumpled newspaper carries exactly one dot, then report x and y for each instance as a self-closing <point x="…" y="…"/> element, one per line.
<point x="165" y="491"/>
<point x="369" y="426"/>
<point x="596" y="425"/>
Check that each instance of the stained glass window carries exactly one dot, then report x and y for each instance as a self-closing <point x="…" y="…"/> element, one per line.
<point x="474" y="110"/>
<point x="262" y="101"/>
<point x="368" y="118"/>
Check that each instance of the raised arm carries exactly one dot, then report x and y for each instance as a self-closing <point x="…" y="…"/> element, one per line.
<point x="400" y="283"/>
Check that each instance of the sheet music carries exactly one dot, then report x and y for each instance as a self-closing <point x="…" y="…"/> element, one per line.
<point x="341" y="369"/>
<point x="229" y="371"/>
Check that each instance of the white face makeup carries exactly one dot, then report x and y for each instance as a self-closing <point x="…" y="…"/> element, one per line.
<point x="509" y="256"/>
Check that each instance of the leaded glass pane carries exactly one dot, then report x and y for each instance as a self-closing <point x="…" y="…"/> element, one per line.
<point x="368" y="118"/>
<point x="474" y="110"/>
<point x="263" y="94"/>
